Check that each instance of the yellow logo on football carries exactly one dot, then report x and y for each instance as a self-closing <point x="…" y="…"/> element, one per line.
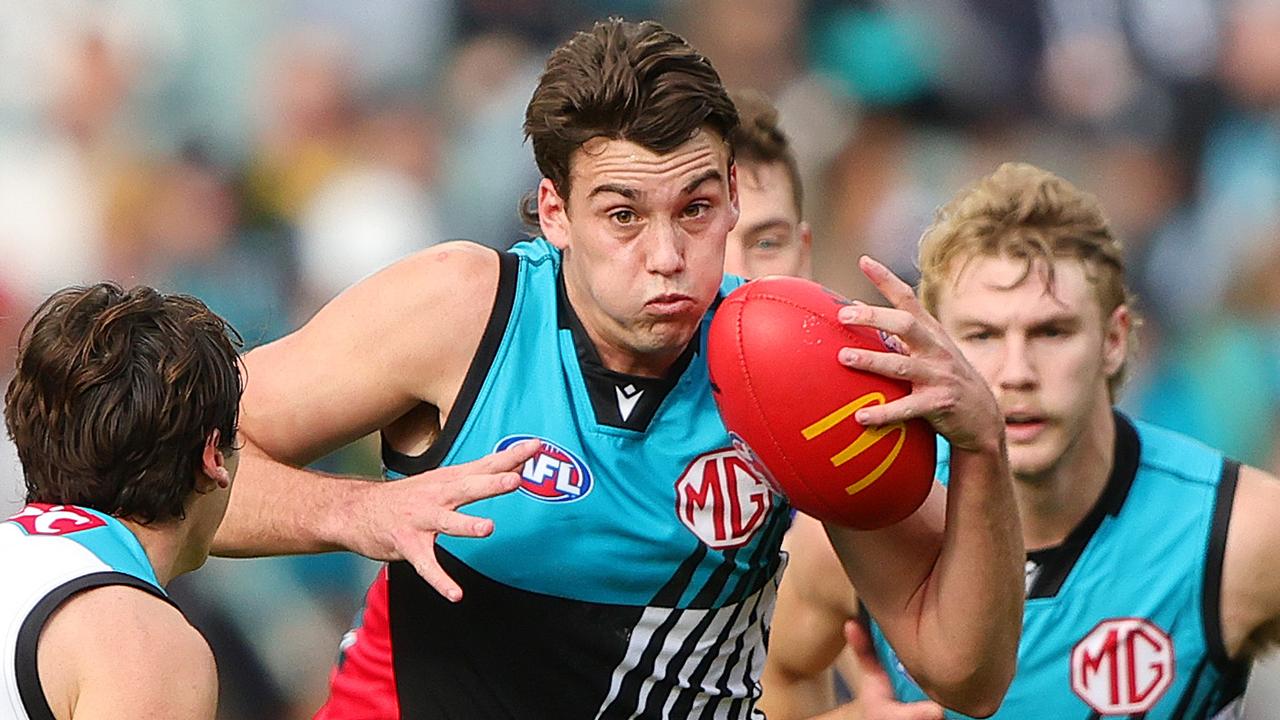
<point x="867" y="438"/>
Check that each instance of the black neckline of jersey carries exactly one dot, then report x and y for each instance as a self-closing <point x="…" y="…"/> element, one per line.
<point x="609" y="390"/>
<point x="1055" y="563"/>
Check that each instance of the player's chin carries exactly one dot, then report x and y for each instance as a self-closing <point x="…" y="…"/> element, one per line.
<point x="1032" y="460"/>
<point x="666" y="333"/>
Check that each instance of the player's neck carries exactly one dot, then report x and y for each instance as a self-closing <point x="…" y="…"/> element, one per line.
<point x="1053" y="503"/>
<point x="162" y="542"/>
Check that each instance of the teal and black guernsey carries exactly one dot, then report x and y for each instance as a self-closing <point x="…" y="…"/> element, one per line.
<point x="634" y="571"/>
<point x="49" y="553"/>
<point x="1123" y="618"/>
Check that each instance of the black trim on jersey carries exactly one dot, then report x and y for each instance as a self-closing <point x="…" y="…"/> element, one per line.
<point x="1184" y="702"/>
<point x="30" y="690"/>
<point x="606" y="388"/>
<point x="1057" y="562"/>
<point x="481" y="363"/>
<point x="1211" y="600"/>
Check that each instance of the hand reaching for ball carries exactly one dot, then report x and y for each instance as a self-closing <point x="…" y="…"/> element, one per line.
<point x="945" y="389"/>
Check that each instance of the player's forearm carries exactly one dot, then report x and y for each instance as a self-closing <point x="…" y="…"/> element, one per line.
<point x="790" y="697"/>
<point x="971" y="605"/>
<point x="277" y="509"/>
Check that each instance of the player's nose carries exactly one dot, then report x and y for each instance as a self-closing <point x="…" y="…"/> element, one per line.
<point x="665" y="249"/>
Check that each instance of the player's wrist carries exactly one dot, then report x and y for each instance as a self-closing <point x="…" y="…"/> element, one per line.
<point x="342" y="524"/>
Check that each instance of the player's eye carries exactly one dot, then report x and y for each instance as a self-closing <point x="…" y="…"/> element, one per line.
<point x="768" y="243"/>
<point x="696" y="210"/>
<point x="623" y="216"/>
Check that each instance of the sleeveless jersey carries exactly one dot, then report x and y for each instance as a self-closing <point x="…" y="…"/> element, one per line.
<point x="1123" y="618"/>
<point x="47" y="554"/>
<point x="632" y="574"/>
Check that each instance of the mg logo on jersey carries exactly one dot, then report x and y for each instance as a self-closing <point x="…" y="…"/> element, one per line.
<point x="721" y="500"/>
<point x="45" y="519"/>
<point x="1123" y="666"/>
<point x="554" y="474"/>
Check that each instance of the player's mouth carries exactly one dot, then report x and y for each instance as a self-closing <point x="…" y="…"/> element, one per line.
<point x="670" y="304"/>
<point x="1022" y="427"/>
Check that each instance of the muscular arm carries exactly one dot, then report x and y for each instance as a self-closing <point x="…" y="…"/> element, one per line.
<point x="814" y="601"/>
<point x="403" y="337"/>
<point x="1250" y="569"/>
<point x="117" y="650"/>
<point x="945" y="584"/>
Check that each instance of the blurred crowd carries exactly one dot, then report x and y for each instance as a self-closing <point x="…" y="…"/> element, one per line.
<point x="264" y="156"/>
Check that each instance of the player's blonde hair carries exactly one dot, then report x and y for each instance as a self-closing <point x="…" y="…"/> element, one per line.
<point x="1028" y="214"/>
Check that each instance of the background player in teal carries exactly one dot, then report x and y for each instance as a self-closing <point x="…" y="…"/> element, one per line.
<point x="1151" y="576"/>
<point x="123" y="409"/>
<point x="628" y="125"/>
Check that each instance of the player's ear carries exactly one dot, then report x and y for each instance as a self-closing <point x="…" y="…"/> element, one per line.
<point x="1115" y="341"/>
<point x="553" y="214"/>
<point x="805" y="233"/>
<point x="214" y="472"/>
<point x="736" y="208"/>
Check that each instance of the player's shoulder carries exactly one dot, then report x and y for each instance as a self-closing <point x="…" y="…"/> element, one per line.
<point x="447" y="266"/>
<point x="1176" y="456"/>
<point x="110" y="617"/>
<point x="455" y="274"/>
<point x="118" y="644"/>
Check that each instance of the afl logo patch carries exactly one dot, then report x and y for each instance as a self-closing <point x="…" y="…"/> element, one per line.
<point x="553" y="475"/>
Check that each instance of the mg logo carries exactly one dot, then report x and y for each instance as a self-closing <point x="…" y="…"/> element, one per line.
<point x="721" y="500"/>
<point x="1122" y="666"/>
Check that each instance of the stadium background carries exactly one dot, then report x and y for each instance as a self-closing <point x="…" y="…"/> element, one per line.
<point x="265" y="155"/>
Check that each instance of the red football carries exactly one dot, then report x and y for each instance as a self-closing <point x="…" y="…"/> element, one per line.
<point x="789" y="404"/>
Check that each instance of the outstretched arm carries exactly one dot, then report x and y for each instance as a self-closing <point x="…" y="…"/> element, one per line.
<point x="945" y="584"/>
<point x="403" y="337"/>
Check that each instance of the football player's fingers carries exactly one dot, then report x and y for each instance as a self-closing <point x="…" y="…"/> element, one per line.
<point x="890" y="285"/>
<point x="888" y="364"/>
<point x="469" y="488"/>
<point x="922" y="710"/>
<point x="504" y="460"/>
<point x="420" y="550"/>
<point x="904" y="408"/>
<point x="452" y="522"/>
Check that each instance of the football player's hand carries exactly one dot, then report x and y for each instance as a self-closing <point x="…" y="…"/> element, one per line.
<point x="400" y="520"/>
<point x="945" y="389"/>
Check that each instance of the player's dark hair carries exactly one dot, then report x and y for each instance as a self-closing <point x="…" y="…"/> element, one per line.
<point x="116" y="395"/>
<point x="758" y="140"/>
<point x="623" y="81"/>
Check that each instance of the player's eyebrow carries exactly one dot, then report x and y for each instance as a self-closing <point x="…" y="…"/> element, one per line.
<point x="712" y="174"/>
<point x="629" y="193"/>
<point x="770" y="224"/>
